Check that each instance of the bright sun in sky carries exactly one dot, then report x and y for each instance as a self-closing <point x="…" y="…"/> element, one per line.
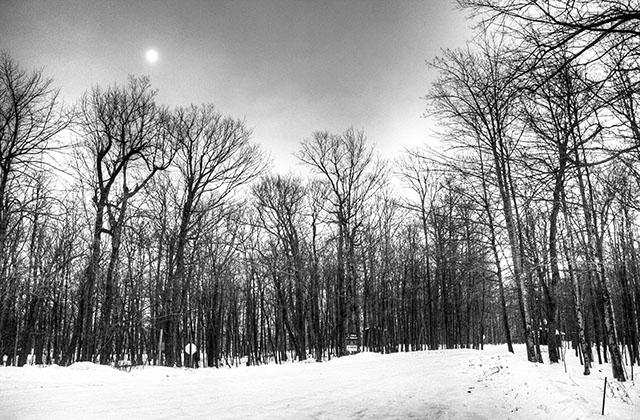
<point x="152" y="55"/>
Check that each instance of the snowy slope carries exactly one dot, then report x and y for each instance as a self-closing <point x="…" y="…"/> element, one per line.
<point x="452" y="384"/>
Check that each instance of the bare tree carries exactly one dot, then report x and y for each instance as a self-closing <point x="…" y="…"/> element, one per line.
<point x="124" y="142"/>
<point x="353" y="175"/>
<point x="279" y="202"/>
<point x="31" y="115"/>
<point x="561" y="116"/>
<point x="316" y="193"/>
<point x="579" y="27"/>
<point x="476" y="96"/>
<point x="416" y="172"/>
<point x="214" y="158"/>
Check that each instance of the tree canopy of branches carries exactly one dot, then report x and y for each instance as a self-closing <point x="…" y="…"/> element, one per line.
<point x="177" y="246"/>
<point x="31" y="116"/>
<point x="124" y="140"/>
<point x="580" y="27"/>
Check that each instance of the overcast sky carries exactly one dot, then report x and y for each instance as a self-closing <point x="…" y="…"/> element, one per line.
<point x="287" y="67"/>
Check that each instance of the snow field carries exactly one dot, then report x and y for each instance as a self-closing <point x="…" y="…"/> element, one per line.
<point x="444" y="384"/>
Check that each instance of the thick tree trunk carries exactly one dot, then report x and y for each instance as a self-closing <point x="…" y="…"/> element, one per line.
<point x="551" y="290"/>
<point x="177" y="287"/>
<point x="496" y="256"/>
<point x="82" y="340"/>
<point x="503" y="187"/>
<point x="106" y="325"/>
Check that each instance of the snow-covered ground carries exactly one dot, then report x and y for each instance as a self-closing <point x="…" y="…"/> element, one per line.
<point x="445" y="384"/>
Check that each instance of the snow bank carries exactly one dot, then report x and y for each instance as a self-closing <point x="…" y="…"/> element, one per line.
<point x="546" y="391"/>
<point x="449" y="384"/>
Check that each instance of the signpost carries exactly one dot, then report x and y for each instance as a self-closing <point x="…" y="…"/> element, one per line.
<point x="352" y="343"/>
<point x="191" y="350"/>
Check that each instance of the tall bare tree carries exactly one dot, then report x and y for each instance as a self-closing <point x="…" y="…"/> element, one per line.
<point x="416" y="172"/>
<point x="279" y="201"/>
<point x="214" y="157"/>
<point x="352" y="175"/>
<point x="31" y="115"/>
<point x="562" y="116"/>
<point x="124" y="142"/>
<point x="476" y="97"/>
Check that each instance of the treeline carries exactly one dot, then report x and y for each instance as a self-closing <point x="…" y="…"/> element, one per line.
<point x="167" y="227"/>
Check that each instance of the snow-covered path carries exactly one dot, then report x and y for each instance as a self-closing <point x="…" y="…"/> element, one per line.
<point x="456" y="384"/>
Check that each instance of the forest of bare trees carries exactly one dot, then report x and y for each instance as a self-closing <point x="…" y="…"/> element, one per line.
<point x="129" y="230"/>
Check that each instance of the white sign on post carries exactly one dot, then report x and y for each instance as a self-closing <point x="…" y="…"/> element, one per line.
<point x="190" y="349"/>
<point x="352" y="343"/>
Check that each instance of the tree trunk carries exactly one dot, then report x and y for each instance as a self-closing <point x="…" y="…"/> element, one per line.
<point x="596" y="257"/>
<point x="577" y="295"/>
<point x="83" y="332"/>
<point x="496" y="256"/>
<point x="106" y="324"/>
<point x="503" y="187"/>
